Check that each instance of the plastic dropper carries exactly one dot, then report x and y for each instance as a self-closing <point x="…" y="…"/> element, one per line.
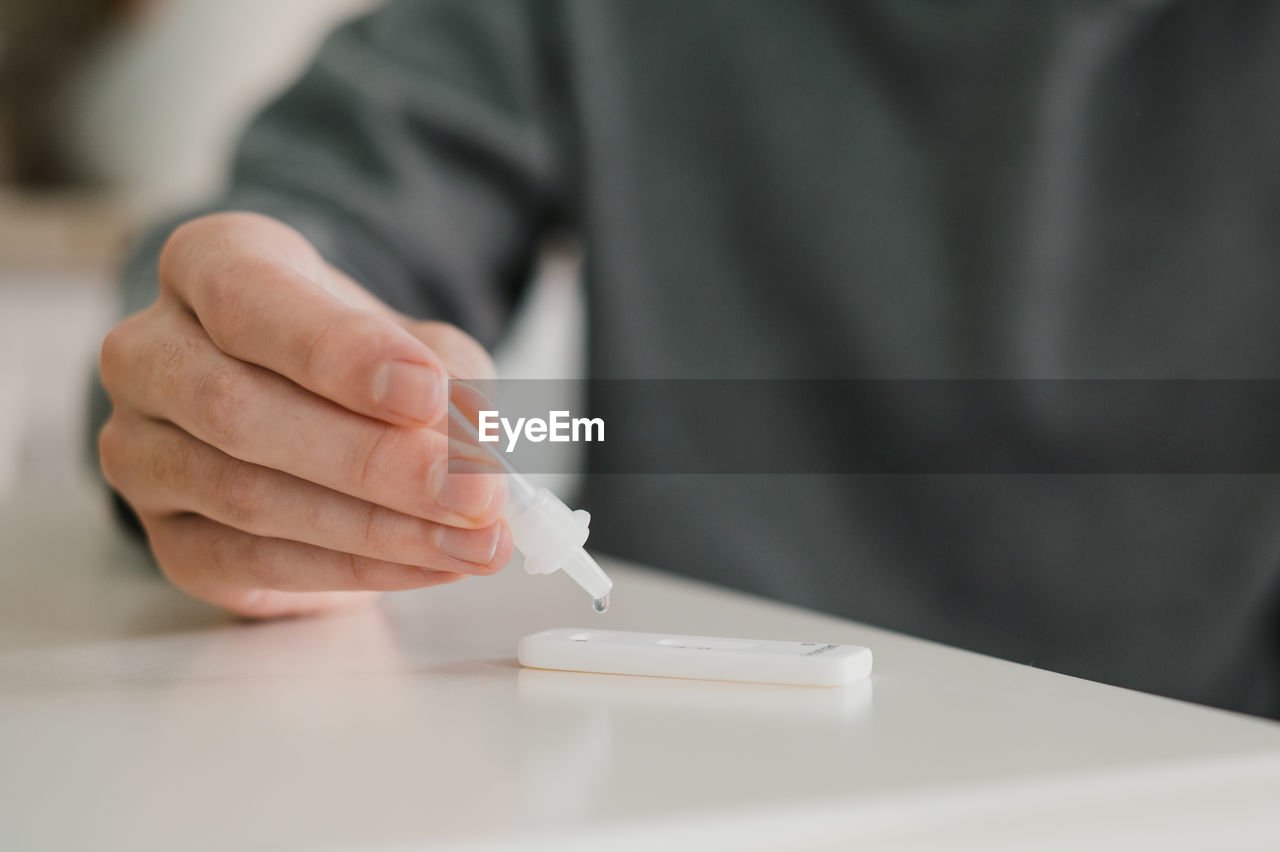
<point x="549" y="534"/>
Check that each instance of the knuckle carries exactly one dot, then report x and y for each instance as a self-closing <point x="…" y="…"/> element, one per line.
<point x="112" y="357"/>
<point x="220" y="300"/>
<point x="349" y="349"/>
<point x="375" y="530"/>
<point x="268" y="571"/>
<point x="368" y="332"/>
<point x="171" y="465"/>
<point x="237" y="490"/>
<point x="230" y="560"/>
<point x="366" y="465"/>
<point x="362" y="572"/>
<point x="218" y="405"/>
<point x="141" y="345"/>
<point x="218" y="239"/>
<point x="118" y="353"/>
<point x="186" y="234"/>
<point x="391" y="461"/>
<point x="244" y="561"/>
<point x="111" y="452"/>
<point x="176" y="248"/>
<point x="167" y="356"/>
<point x="161" y="540"/>
<point x="187" y="244"/>
<point x="169" y="541"/>
<point x="320" y="351"/>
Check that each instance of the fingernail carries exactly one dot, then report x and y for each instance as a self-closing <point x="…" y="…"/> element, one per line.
<point x="476" y="546"/>
<point x="407" y="389"/>
<point x="461" y="491"/>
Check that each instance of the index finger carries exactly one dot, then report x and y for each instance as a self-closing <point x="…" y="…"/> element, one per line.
<point x="258" y="290"/>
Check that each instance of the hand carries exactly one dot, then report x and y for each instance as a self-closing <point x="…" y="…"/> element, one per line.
<point x="273" y="429"/>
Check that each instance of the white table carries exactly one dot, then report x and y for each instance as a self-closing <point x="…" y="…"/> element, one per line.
<point x="133" y="718"/>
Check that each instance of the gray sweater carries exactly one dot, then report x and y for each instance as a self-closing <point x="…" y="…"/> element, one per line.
<point x="887" y="189"/>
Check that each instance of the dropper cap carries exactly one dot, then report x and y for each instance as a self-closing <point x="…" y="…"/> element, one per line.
<point x="551" y="535"/>
<point x="544" y="529"/>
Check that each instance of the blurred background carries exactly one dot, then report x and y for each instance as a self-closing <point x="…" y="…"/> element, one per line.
<point x="114" y="113"/>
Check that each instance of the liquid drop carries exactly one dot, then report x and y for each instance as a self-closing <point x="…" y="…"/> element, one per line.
<point x="600" y="604"/>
